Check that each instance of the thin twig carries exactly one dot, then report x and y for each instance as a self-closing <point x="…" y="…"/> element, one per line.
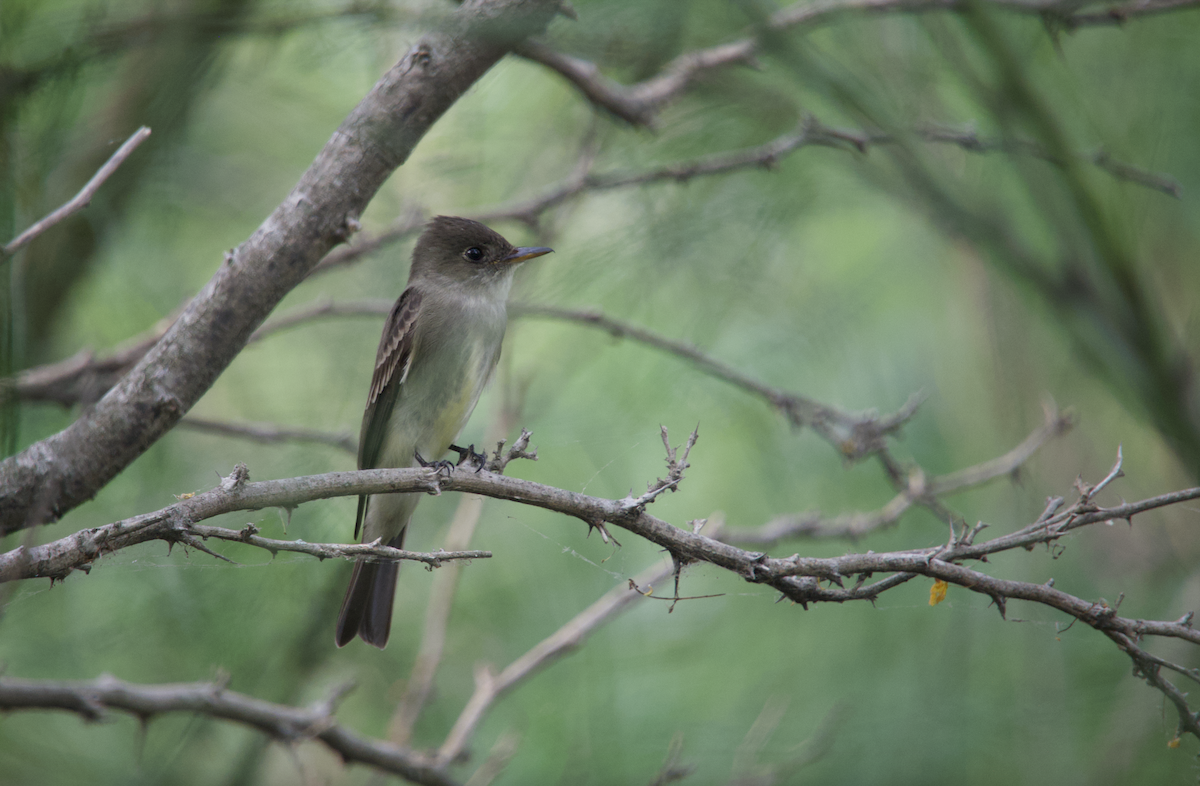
<point x="84" y="197"/>
<point x="490" y="687"/>
<point x="640" y="103"/>
<point x="249" y="535"/>
<point x="271" y="434"/>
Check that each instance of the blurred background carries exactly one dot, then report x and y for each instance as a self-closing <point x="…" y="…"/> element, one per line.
<point x="990" y="280"/>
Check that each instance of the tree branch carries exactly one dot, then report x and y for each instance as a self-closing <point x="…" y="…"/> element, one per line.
<point x="640" y="103"/>
<point x="83" y="198"/>
<point x="92" y="701"/>
<point x="68" y="468"/>
<point x="855" y="435"/>
<point x="84" y="379"/>
<point x="802" y="580"/>
<point x="916" y="488"/>
<point x="489" y="687"/>
<point x="179" y="523"/>
<point x="271" y="434"/>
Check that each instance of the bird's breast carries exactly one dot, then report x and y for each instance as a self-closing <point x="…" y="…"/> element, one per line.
<point x="453" y="357"/>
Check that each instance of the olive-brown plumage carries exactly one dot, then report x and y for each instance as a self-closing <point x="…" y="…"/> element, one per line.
<point x="439" y="347"/>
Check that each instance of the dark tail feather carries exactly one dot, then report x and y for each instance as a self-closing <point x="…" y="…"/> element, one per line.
<point x="367" y="608"/>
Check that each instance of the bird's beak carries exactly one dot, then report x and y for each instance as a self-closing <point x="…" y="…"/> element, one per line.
<point x="521" y="254"/>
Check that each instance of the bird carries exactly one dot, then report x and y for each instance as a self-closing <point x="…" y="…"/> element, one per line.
<point x="439" y="347"/>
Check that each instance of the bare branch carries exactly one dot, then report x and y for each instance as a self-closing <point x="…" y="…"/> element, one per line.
<point x="178" y="523"/>
<point x="321" y="310"/>
<point x="1054" y="424"/>
<point x="93" y="700"/>
<point x="84" y="378"/>
<point x="1119" y="13"/>
<point x="1149" y="668"/>
<point x="916" y="488"/>
<point x="675" y="469"/>
<point x="270" y="434"/>
<point x="802" y="580"/>
<point x="640" y="103"/>
<point x="490" y="687"/>
<point x="408" y="224"/>
<point x="84" y="197"/>
<point x="321" y="212"/>
<point x="249" y="535"/>
<point x="971" y="142"/>
<point x="502" y="458"/>
<point x="855" y="435"/>
<point x="81" y="378"/>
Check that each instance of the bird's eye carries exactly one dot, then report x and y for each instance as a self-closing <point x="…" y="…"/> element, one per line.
<point x="474" y="253"/>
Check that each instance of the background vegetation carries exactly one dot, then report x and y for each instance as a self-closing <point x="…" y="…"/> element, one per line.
<point x="856" y="278"/>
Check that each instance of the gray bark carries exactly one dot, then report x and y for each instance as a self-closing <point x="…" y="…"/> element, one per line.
<point x="58" y="473"/>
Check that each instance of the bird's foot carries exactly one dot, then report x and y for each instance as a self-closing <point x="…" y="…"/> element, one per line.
<point x="468" y="455"/>
<point x="441" y="466"/>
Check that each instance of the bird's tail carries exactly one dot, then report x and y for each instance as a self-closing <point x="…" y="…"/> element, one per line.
<point x="367" y="608"/>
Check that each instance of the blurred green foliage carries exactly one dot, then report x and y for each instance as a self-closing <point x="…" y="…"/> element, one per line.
<point x="853" y="278"/>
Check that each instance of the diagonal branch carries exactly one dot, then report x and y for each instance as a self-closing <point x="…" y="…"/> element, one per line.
<point x="855" y="435"/>
<point x="490" y="687"/>
<point x="915" y="489"/>
<point x="83" y="198"/>
<point x="322" y="211"/>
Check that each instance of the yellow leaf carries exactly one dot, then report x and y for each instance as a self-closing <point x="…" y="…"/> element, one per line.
<point x="1173" y="743"/>
<point x="937" y="593"/>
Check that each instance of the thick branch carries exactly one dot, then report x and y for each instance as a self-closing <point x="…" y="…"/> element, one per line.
<point x="60" y="472"/>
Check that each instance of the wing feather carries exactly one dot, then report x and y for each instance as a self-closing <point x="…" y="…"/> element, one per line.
<point x="392" y="361"/>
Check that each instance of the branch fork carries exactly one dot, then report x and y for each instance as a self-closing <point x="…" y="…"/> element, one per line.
<point x="676" y="465"/>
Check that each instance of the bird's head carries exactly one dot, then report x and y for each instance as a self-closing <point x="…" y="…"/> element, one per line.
<point x="467" y="253"/>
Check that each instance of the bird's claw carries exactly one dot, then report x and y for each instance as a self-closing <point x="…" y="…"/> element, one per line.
<point x="441" y="466"/>
<point x="468" y="454"/>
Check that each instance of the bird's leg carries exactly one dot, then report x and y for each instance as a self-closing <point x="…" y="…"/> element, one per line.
<point x="468" y="454"/>
<point x="439" y="466"/>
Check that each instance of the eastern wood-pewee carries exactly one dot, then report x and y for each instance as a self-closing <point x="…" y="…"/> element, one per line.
<point x="438" y="349"/>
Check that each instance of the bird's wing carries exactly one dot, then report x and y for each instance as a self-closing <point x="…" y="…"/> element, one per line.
<point x="392" y="362"/>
